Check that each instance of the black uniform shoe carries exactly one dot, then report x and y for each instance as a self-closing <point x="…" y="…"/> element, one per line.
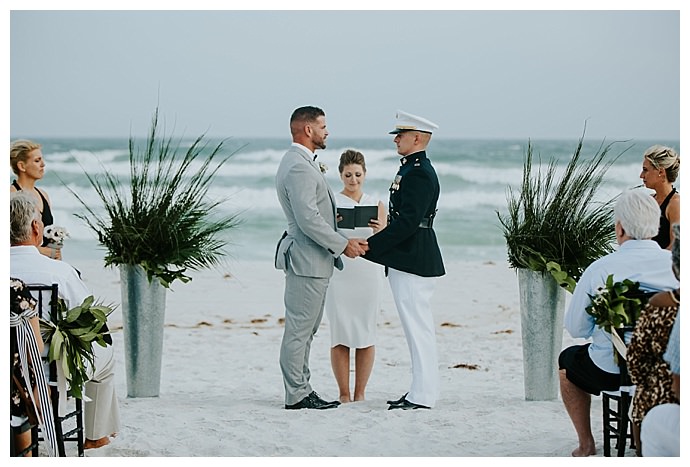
<point x="407" y="405"/>
<point x="399" y="401"/>
<point x="313" y="401"/>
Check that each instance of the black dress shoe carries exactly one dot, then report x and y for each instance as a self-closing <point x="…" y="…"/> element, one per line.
<point x="407" y="405"/>
<point x="399" y="401"/>
<point x="313" y="401"/>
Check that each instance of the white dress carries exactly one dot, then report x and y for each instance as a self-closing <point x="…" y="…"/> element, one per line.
<point x="354" y="294"/>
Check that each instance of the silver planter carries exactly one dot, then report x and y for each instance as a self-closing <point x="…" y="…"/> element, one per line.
<point x="143" y="316"/>
<point x="542" y="305"/>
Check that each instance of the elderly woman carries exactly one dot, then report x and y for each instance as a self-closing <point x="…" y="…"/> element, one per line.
<point x="660" y="168"/>
<point x="27" y="163"/>
<point x="645" y="357"/>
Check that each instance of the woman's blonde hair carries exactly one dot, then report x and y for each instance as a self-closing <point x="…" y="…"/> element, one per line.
<point x="663" y="157"/>
<point x="19" y="152"/>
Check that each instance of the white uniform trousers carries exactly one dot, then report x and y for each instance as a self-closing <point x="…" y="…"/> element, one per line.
<point x="412" y="295"/>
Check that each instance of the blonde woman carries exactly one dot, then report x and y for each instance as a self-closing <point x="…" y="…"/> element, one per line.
<point x="660" y="169"/>
<point x="27" y="163"/>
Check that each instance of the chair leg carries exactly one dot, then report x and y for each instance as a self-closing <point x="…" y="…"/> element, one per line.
<point x="605" y="402"/>
<point x="34" y="440"/>
<point x="55" y="399"/>
<point x="623" y="423"/>
<point x="80" y="428"/>
<point x="625" y="431"/>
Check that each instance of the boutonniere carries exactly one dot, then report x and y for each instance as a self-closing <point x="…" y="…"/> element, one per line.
<point x="323" y="167"/>
<point x="396" y="183"/>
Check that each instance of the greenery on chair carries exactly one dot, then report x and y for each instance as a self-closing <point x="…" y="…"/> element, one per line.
<point x="164" y="224"/>
<point x="72" y="336"/>
<point x="616" y="304"/>
<point x="558" y="226"/>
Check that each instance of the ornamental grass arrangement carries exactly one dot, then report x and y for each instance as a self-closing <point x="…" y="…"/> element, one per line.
<point x="558" y="225"/>
<point x="166" y="223"/>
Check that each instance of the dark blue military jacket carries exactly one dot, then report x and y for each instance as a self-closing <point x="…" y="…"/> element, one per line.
<point x="409" y="243"/>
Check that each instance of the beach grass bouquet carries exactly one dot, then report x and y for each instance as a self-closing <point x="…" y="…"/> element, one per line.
<point x="166" y="223"/>
<point x="556" y="224"/>
<point x="71" y="338"/>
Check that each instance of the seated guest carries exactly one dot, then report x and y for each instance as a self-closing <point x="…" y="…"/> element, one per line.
<point x="660" y="431"/>
<point x="648" y="370"/>
<point x="29" y="399"/>
<point x="590" y="368"/>
<point x="101" y="410"/>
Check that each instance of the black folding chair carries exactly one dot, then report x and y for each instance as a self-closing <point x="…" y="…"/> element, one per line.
<point x="616" y="406"/>
<point x="70" y="427"/>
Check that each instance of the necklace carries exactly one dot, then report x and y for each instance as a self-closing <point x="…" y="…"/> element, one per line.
<point x="674" y="297"/>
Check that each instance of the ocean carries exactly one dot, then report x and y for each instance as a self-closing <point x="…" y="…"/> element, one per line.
<point x="474" y="175"/>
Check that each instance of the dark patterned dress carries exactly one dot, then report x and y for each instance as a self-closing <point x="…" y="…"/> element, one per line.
<point x="645" y="358"/>
<point x="21" y="302"/>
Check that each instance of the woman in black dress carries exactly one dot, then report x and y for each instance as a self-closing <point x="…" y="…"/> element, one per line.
<point x="660" y="169"/>
<point x="27" y="163"/>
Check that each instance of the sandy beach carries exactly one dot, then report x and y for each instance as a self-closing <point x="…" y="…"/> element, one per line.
<point x="221" y="389"/>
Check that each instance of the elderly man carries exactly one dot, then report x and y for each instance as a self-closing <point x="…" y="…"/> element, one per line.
<point x="101" y="410"/>
<point x="590" y="368"/>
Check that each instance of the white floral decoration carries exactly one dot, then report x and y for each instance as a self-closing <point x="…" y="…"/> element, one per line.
<point x="56" y="235"/>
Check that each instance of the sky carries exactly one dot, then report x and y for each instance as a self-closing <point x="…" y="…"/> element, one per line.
<point x="241" y="73"/>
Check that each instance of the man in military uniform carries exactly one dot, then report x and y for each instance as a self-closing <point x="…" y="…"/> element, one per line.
<point x="410" y="252"/>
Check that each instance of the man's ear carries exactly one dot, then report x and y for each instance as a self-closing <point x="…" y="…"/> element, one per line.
<point x="35" y="228"/>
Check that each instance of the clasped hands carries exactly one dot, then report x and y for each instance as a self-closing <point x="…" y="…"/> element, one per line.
<point x="356" y="247"/>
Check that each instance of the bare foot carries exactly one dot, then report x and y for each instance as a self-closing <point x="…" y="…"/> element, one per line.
<point x="97" y="443"/>
<point x="582" y="451"/>
<point x="345" y="399"/>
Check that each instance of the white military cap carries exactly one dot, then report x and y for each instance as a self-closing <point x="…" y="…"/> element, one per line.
<point x="407" y="122"/>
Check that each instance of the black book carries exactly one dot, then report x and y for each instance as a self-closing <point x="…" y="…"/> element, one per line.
<point x="357" y="216"/>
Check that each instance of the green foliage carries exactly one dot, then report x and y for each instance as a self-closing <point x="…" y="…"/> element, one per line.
<point x="71" y="338"/>
<point x="557" y="225"/>
<point x="164" y="223"/>
<point x="616" y="304"/>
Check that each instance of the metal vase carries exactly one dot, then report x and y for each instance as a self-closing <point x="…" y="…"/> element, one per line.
<point x="143" y="316"/>
<point x="542" y="305"/>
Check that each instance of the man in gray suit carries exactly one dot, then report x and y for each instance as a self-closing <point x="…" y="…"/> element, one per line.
<point x="307" y="252"/>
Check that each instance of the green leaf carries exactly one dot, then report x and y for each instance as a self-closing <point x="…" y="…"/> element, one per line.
<point x="72" y="338"/>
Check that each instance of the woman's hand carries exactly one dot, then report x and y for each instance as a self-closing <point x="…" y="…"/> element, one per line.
<point x="375" y="225"/>
<point x="54" y="253"/>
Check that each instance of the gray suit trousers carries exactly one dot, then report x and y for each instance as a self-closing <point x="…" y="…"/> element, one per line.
<point x="304" y="301"/>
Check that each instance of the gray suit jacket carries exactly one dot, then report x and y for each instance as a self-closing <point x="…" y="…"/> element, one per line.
<point x="310" y="246"/>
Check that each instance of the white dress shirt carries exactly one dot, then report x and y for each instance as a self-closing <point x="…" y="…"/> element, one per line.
<point x="29" y="265"/>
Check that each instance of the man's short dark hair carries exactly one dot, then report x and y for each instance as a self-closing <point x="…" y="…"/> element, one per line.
<point x="306" y="114"/>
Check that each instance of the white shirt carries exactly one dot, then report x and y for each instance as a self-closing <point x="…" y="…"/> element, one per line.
<point x="29" y="265"/>
<point x="640" y="261"/>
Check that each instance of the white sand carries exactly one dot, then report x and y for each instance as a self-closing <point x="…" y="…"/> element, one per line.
<point x="222" y="391"/>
